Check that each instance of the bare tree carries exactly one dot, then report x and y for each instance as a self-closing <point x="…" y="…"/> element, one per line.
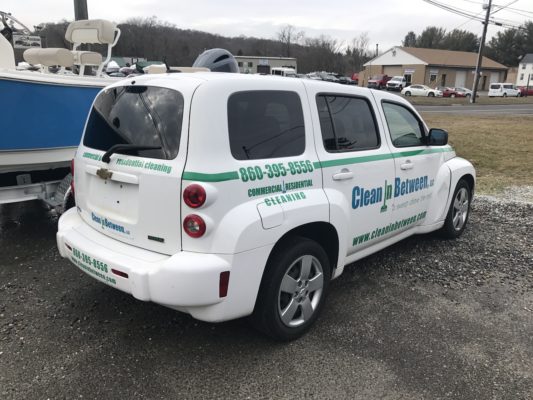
<point x="357" y="51"/>
<point x="288" y="36"/>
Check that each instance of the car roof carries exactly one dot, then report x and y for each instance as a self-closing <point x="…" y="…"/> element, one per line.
<point x="205" y="78"/>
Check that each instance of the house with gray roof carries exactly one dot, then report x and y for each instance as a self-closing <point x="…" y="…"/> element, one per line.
<point x="435" y="67"/>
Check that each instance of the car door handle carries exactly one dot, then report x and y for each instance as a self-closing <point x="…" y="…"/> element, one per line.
<point x="343" y="175"/>
<point x="407" y="165"/>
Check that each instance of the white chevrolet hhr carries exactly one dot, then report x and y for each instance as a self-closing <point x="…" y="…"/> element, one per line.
<point x="226" y="195"/>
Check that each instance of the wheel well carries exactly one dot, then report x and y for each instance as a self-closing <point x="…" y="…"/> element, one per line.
<point x="471" y="182"/>
<point x="321" y="232"/>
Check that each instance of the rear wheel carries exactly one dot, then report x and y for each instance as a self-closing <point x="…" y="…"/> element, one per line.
<point x="459" y="211"/>
<point x="452" y="95"/>
<point x="293" y="289"/>
<point x="505" y="95"/>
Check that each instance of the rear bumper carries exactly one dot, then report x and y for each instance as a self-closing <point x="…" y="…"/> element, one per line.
<point x="186" y="281"/>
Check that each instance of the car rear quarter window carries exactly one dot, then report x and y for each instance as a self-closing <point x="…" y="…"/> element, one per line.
<point x="139" y="115"/>
<point x="404" y="127"/>
<point x="265" y="124"/>
<point x="347" y="123"/>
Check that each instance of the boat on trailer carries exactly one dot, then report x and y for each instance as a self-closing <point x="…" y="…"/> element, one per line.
<point x="43" y="114"/>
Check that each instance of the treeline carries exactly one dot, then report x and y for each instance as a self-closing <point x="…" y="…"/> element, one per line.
<point x="506" y="47"/>
<point x="157" y="40"/>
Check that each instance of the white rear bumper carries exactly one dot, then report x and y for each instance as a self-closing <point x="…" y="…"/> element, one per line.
<point x="185" y="281"/>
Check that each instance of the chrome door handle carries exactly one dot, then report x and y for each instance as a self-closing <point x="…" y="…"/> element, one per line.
<point x="407" y="165"/>
<point x="343" y="175"/>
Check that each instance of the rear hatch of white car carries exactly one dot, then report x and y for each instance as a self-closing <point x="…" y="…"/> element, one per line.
<point x="128" y="168"/>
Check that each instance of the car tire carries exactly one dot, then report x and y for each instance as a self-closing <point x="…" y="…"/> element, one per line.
<point x="408" y="93"/>
<point x="505" y="95"/>
<point x="293" y="289"/>
<point x="452" y="95"/>
<point x="459" y="211"/>
<point x="468" y="95"/>
<point x="431" y="94"/>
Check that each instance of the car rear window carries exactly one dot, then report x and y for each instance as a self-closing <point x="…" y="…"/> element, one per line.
<point x="494" y="86"/>
<point x="265" y="124"/>
<point x="139" y="115"/>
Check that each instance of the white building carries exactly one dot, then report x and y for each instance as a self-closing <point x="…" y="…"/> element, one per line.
<point x="263" y="65"/>
<point x="525" y="71"/>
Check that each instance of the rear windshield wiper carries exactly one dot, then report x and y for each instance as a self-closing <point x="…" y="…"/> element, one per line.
<point x="127" y="148"/>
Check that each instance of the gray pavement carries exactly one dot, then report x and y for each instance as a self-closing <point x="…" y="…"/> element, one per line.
<point x="424" y="319"/>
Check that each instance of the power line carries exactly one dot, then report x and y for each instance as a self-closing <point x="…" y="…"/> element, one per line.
<point x="465" y="13"/>
<point x="507" y="8"/>
<point x="502" y="7"/>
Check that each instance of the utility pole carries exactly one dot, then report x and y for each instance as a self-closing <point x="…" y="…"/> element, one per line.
<point x="480" y="54"/>
<point x="80" y="10"/>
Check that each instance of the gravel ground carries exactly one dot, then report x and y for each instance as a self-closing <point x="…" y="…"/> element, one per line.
<point x="423" y="319"/>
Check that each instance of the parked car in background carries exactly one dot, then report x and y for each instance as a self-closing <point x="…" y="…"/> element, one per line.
<point x="397" y="83"/>
<point x="462" y="92"/>
<point x="283" y="71"/>
<point x="378" y="81"/>
<point x="450" y="92"/>
<point x="355" y="78"/>
<point x="526" y="91"/>
<point x="345" y="80"/>
<point x="503" y="90"/>
<point x="324" y="76"/>
<point x="421" y="90"/>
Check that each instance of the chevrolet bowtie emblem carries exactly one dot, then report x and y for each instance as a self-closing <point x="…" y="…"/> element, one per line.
<point x="104" y="173"/>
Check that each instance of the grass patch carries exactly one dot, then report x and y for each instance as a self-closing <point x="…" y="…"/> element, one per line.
<point x="500" y="147"/>
<point x="447" y="101"/>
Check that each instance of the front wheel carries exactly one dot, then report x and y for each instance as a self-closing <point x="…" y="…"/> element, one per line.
<point x="408" y="93"/>
<point x="293" y="289"/>
<point x="431" y="94"/>
<point x="505" y="95"/>
<point x="457" y="216"/>
<point x="452" y="95"/>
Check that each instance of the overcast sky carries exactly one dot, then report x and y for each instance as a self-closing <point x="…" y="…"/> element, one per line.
<point x="385" y="21"/>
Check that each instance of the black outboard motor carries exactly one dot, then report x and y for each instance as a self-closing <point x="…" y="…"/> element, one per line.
<point x="217" y="60"/>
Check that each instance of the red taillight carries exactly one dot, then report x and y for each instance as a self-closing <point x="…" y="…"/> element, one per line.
<point x="223" y="284"/>
<point x="194" y="225"/>
<point x="119" y="273"/>
<point x="194" y="196"/>
<point x="72" y="173"/>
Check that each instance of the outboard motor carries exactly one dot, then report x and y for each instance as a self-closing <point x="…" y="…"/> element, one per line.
<point x="217" y="60"/>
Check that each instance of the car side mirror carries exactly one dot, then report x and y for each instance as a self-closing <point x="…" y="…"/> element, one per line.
<point x="437" y="137"/>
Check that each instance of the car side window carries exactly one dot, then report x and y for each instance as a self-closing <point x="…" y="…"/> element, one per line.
<point x="404" y="127"/>
<point x="347" y="123"/>
<point x="265" y="124"/>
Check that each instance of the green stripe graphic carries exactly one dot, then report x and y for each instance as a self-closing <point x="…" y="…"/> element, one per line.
<point x="234" y="175"/>
<point x="220" y="177"/>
